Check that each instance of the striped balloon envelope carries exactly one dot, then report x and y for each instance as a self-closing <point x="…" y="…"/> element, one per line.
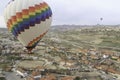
<point x="28" y="20"/>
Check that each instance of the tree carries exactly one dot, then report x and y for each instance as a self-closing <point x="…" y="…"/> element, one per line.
<point x="77" y="78"/>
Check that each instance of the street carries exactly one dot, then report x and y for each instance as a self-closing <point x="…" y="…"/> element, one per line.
<point x="12" y="76"/>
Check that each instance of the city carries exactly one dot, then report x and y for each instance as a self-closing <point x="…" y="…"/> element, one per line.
<point x="67" y="52"/>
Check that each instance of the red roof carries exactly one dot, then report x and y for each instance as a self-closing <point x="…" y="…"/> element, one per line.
<point x="68" y="78"/>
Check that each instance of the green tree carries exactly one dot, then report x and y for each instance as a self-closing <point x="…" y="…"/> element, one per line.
<point x="77" y="78"/>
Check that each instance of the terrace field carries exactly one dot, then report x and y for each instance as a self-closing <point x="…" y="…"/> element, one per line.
<point x="86" y="37"/>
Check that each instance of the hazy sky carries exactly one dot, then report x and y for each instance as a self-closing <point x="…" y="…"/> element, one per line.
<point x="80" y="11"/>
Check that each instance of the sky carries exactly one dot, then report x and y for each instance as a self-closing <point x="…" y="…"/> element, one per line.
<point x="79" y="12"/>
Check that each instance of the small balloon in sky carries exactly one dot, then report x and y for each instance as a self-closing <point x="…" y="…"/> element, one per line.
<point x="101" y="19"/>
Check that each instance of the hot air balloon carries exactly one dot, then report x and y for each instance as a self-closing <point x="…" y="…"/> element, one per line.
<point x="101" y="19"/>
<point x="28" y="20"/>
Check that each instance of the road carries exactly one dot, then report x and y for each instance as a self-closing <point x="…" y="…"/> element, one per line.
<point x="12" y="76"/>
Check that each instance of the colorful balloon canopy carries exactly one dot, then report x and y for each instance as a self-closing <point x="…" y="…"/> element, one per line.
<point x="28" y="20"/>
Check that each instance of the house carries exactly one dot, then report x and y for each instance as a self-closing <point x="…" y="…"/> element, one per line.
<point x="39" y="68"/>
<point x="72" y="68"/>
<point x="35" y="75"/>
<point x="2" y="77"/>
<point x="113" y="71"/>
<point x="49" y="77"/>
<point x="118" y="59"/>
<point x="101" y="67"/>
<point x="105" y="56"/>
<point x="92" y="51"/>
<point x="84" y="57"/>
<point x="68" y="78"/>
<point x="114" y="57"/>
<point x="21" y="72"/>
<point x="67" y="62"/>
<point x="95" y="57"/>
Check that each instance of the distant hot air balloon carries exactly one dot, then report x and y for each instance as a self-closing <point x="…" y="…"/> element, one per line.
<point x="28" y="20"/>
<point x="101" y="19"/>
